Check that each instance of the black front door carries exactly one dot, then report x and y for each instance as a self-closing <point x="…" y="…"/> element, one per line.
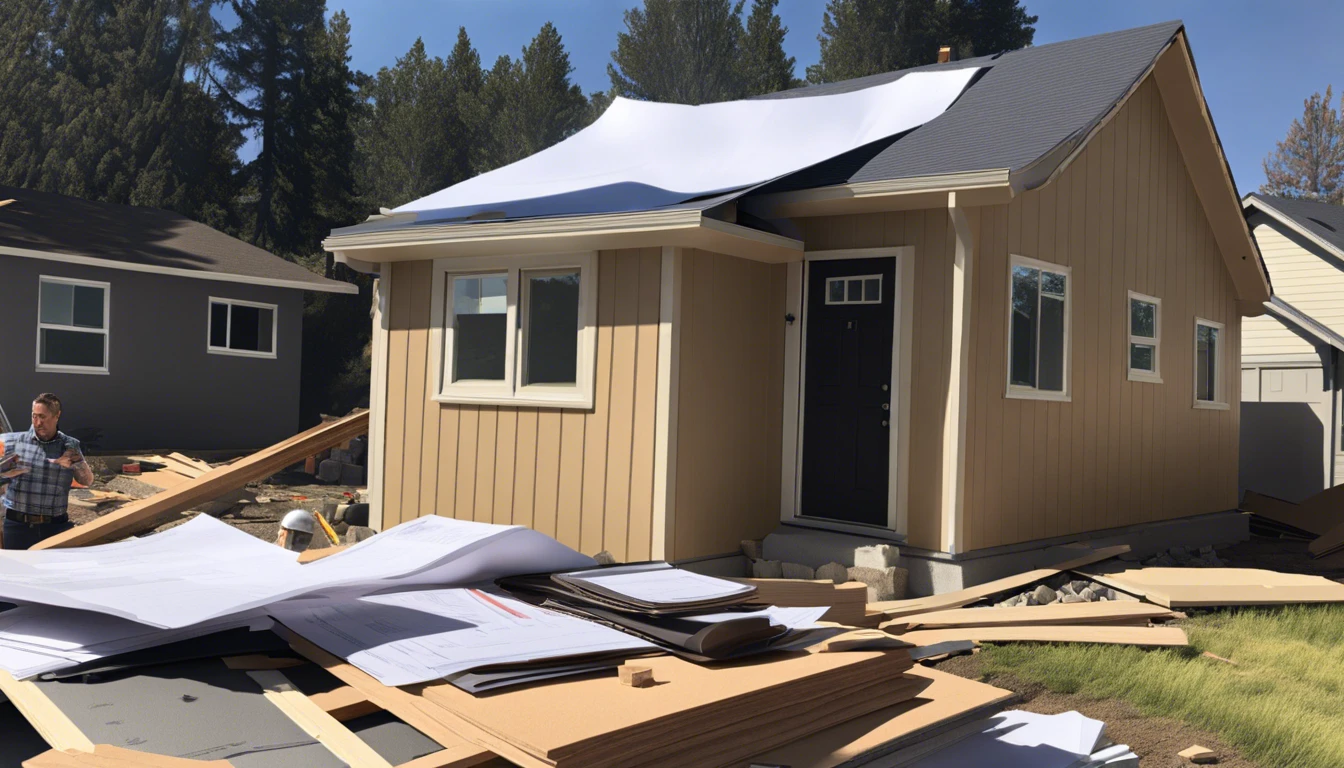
<point x="847" y="395"/>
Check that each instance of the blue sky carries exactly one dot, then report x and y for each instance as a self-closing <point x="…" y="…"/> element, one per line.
<point x="1257" y="60"/>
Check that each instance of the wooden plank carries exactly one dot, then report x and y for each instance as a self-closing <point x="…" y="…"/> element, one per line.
<point x="1216" y="587"/>
<point x="312" y="555"/>
<point x="108" y="756"/>
<point x="147" y="513"/>
<point x="338" y="739"/>
<point x="185" y="459"/>
<point x="45" y="717"/>
<point x="894" y="609"/>
<point x="345" y="703"/>
<point x="171" y="465"/>
<point x="1054" y="633"/>
<point x="1332" y="541"/>
<point x="1023" y="615"/>
<point x="403" y="704"/>
<point x="1311" y="516"/>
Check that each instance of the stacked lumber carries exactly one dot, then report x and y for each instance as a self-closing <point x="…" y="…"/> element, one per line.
<point x="147" y="513"/>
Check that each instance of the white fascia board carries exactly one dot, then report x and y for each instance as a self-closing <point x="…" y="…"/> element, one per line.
<point x="333" y="286"/>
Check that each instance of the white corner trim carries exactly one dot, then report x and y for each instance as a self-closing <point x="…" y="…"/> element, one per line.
<point x="382" y="294"/>
<point x="954" y="415"/>
<point x="665" y="405"/>
<point x="195" y="274"/>
<point x="793" y="345"/>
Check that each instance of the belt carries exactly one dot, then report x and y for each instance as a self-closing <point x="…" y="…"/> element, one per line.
<point x="20" y="517"/>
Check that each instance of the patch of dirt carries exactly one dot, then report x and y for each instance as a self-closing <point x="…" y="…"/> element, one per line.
<point x="1156" y="740"/>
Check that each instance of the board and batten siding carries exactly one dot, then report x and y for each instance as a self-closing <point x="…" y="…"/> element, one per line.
<point x="1124" y="216"/>
<point x="730" y="403"/>
<point x="584" y="477"/>
<point x="930" y="232"/>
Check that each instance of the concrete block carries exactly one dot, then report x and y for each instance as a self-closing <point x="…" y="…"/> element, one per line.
<point x="352" y="474"/>
<point x="796" y="571"/>
<point x="883" y="583"/>
<point x="359" y="448"/>
<point x="753" y="549"/>
<point x="833" y="571"/>
<point x="635" y="677"/>
<point x="357" y="533"/>
<point x="767" y="569"/>
<point x="329" y="471"/>
<point x="876" y="556"/>
<point x="340" y="454"/>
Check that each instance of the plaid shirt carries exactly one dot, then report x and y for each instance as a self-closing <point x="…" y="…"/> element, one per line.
<point x="45" y="489"/>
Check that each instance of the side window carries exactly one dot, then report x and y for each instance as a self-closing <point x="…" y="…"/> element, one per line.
<point x="1038" y="330"/>
<point x="1209" y="387"/>
<point x="72" y="320"/>
<point x="1145" y="338"/>
<point x="244" y="328"/>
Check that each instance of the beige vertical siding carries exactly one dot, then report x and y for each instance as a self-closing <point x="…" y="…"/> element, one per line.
<point x="1124" y="216"/>
<point x="585" y="477"/>
<point x="931" y="235"/>
<point x="729" y="411"/>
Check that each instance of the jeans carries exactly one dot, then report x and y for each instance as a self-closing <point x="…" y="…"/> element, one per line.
<point x="25" y="535"/>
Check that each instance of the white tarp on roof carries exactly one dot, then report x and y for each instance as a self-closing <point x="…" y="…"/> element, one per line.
<point x="640" y="155"/>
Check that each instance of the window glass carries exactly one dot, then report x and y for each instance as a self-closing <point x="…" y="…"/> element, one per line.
<point x="1142" y="319"/>
<point x="1026" y="302"/>
<point x="480" y="328"/>
<point x="72" y="348"/>
<point x="552" y="340"/>
<point x="1206" y="362"/>
<point x="872" y="289"/>
<point x="855" y="290"/>
<point x="835" y="291"/>
<point x="58" y="304"/>
<point x="88" y="307"/>
<point x="1051" y="374"/>
<point x="219" y="324"/>
<point x="244" y="327"/>
<point x="1141" y="356"/>
<point x="265" y="332"/>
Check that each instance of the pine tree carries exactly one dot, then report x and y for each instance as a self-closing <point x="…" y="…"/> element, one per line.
<point x="531" y="100"/>
<point x="26" y="80"/>
<point x="679" y="51"/>
<point x="984" y="27"/>
<point x="1309" y="162"/>
<point x="866" y="37"/>
<point x="763" y="66"/>
<point x="467" y="117"/>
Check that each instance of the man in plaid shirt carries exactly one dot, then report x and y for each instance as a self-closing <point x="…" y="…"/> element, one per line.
<point x="48" y="459"/>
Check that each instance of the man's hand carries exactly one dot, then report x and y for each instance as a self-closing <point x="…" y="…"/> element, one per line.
<point x="72" y="459"/>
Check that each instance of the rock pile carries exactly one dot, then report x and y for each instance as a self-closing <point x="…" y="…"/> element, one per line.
<point x="1180" y="557"/>
<point x="1063" y="589"/>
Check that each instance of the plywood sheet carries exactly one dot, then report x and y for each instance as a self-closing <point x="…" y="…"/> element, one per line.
<point x="1053" y="633"/>
<point x="1211" y="587"/>
<point x="1031" y="615"/>
<point x="894" y="609"/>
<point x="947" y="698"/>
<point x="1330" y="542"/>
<point x="1317" y="514"/>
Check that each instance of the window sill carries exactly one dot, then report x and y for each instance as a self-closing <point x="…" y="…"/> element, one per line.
<point x="72" y="369"/>
<point x="1015" y="393"/>
<point x="240" y="353"/>
<point x="572" y="401"/>
<point x="1205" y="405"/>
<point x="1145" y="377"/>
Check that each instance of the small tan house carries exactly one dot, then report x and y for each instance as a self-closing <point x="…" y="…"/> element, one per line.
<point x="1291" y="355"/>
<point x="1019" y="320"/>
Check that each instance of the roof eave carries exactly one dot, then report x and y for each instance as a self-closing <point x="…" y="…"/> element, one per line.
<point x="1251" y="201"/>
<point x="988" y="187"/>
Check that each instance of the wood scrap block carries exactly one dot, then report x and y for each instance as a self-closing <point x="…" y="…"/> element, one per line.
<point x="1199" y="755"/>
<point x="338" y="739"/>
<point x="345" y="703"/>
<point x="636" y="677"/>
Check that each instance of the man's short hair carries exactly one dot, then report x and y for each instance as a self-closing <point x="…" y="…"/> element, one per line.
<point x="52" y="402"/>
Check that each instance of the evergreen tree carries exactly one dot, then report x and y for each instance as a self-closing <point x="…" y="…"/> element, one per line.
<point x="679" y="51"/>
<point x="1309" y="162"/>
<point x="763" y="66"/>
<point x="466" y="119"/>
<point x="532" y="102"/>
<point x="984" y="27"/>
<point x="866" y="37"/>
<point x="26" y="107"/>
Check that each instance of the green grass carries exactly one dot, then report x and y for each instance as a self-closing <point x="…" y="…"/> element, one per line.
<point x="1282" y="705"/>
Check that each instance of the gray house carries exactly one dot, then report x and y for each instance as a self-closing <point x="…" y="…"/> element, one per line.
<point x="1291" y="397"/>
<point x="155" y="330"/>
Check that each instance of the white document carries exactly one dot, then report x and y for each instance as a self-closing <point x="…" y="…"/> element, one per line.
<point x="793" y="618"/>
<point x="1017" y="739"/>
<point x="662" y="584"/>
<point x="205" y="569"/>
<point x="640" y="155"/>
<point x="414" y="637"/>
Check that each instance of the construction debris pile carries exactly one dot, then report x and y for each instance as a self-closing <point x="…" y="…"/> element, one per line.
<point x="453" y="643"/>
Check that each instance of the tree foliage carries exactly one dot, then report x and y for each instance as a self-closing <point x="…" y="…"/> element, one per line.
<point x="532" y="103"/>
<point x="867" y="37"/>
<point x="1309" y="162"/>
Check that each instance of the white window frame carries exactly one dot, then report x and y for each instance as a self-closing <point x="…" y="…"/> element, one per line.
<point x="106" y="330"/>
<point x="846" y="279"/>
<point x="511" y="391"/>
<point x="1138" y="374"/>
<point x="1021" y="392"/>
<point x="228" y="328"/>
<point x="1219" y="402"/>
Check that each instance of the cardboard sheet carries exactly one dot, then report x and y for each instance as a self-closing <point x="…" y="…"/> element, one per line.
<point x="641" y="155"/>
<point x="1022" y="615"/>
<point x="1054" y="633"/>
<point x="1212" y="587"/>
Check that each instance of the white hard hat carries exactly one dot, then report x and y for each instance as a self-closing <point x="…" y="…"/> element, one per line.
<point x="299" y="520"/>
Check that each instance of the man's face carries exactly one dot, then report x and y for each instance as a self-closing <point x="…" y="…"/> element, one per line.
<point x="44" y="421"/>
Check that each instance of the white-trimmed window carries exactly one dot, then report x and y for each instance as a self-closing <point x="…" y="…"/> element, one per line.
<point x="245" y="328"/>
<point x="1038" y="329"/>
<point x="516" y="330"/>
<point x="1145" y="338"/>
<point x="1210" y="391"/>
<point x="854" y="289"/>
<point x="72" y="320"/>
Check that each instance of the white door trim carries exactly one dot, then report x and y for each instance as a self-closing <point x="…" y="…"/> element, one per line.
<point x="795" y="364"/>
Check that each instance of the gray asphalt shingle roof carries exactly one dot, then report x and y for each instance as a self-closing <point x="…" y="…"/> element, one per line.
<point x="47" y="222"/>
<point x="1324" y="220"/>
